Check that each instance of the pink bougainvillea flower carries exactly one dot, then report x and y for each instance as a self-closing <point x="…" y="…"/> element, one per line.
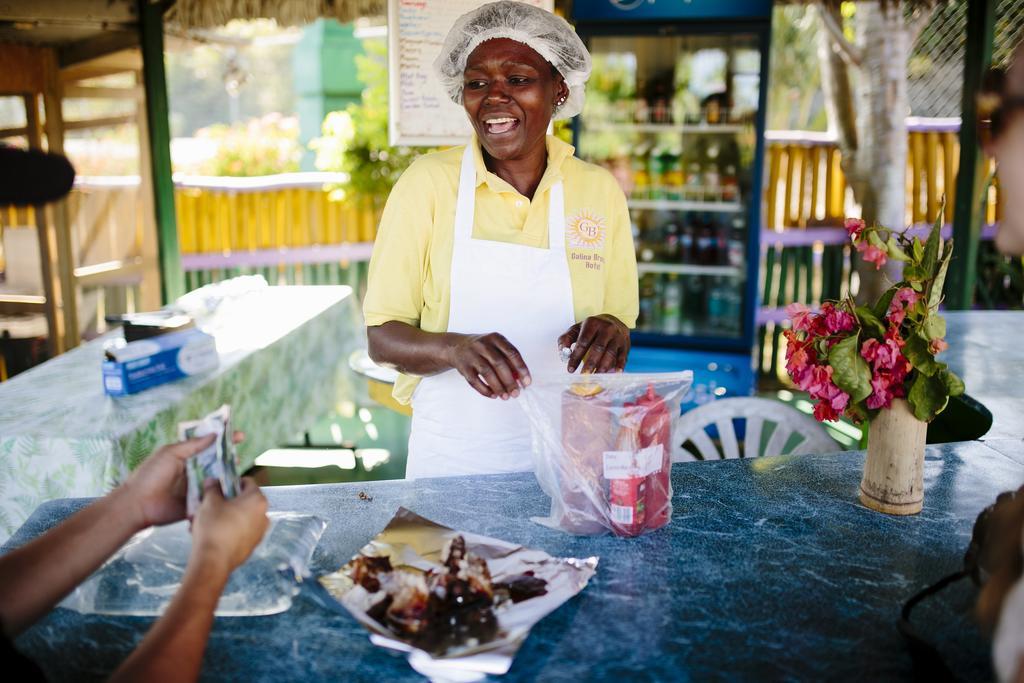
<point x="904" y="298"/>
<point x="854" y="227"/>
<point x="893" y="334"/>
<point x="799" y="314"/>
<point x="937" y="346"/>
<point x="872" y="254"/>
<point x="823" y="412"/>
<point x="837" y="321"/>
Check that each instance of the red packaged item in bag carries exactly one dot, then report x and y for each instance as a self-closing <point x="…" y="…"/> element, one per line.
<point x="656" y="430"/>
<point x="627" y="485"/>
<point x="602" y="449"/>
<point x="586" y="433"/>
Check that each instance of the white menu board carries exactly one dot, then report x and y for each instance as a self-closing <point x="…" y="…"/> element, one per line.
<point x="420" y="113"/>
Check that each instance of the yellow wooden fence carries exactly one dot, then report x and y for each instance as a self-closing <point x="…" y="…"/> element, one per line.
<point x="279" y="212"/>
<point x="806" y="186"/>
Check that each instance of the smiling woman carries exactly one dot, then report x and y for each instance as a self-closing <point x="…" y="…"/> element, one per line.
<point x="493" y="258"/>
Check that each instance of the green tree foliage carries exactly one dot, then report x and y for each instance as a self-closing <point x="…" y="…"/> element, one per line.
<point x="794" y="95"/>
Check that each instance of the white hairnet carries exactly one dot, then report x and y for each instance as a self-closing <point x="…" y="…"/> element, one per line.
<point x="551" y="36"/>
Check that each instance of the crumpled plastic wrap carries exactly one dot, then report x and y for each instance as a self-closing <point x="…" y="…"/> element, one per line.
<point x="602" y="447"/>
<point x="143" y="576"/>
<point x="413" y="541"/>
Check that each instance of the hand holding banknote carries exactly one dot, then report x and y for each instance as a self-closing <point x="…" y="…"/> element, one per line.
<point x="226" y="531"/>
<point x="155" y="491"/>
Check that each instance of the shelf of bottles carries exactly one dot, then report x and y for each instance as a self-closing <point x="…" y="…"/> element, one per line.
<point x="673" y="119"/>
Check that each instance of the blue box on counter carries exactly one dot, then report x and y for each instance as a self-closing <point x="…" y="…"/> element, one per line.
<point x="138" y="365"/>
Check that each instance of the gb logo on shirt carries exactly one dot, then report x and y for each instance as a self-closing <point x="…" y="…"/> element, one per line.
<point x="587" y="230"/>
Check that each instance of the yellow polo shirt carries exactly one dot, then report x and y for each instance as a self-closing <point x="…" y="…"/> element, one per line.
<point x="410" y="267"/>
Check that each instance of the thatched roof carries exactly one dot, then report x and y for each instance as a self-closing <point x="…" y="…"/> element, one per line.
<point x="189" y="14"/>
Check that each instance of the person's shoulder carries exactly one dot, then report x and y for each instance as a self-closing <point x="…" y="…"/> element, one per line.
<point x="597" y="180"/>
<point x="441" y="161"/>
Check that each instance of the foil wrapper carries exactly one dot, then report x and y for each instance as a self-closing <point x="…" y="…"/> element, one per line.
<point x="413" y="541"/>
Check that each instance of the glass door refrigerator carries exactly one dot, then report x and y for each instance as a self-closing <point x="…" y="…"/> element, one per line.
<point x="675" y="110"/>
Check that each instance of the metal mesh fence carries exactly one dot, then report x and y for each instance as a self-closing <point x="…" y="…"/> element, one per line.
<point x="935" y="70"/>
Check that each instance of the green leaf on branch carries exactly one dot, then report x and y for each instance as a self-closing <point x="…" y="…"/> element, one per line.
<point x="934" y="327"/>
<point x="882" y="305"/>
<point x="920" y="356"/>
<point x="914" y="273"/>
<point x="918" y="250"/>
<point x="876" y="241"/>
<point x="895" y="251"/>
<point x="850" y="372"/>
<point x="869" y="321"/>
<point x="928" y="397"/>
<point x="954" y="385"/>
<point x="935" y="295"/>
<point x="931" y="249"/>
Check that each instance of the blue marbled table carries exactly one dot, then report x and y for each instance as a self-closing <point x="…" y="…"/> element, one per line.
<point x="770" y="570"/>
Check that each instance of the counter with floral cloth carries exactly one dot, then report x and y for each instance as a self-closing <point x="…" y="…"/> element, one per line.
<point x="283" y="363"/>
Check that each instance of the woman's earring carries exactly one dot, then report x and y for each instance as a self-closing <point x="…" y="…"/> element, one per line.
<point x="561" y="100"/>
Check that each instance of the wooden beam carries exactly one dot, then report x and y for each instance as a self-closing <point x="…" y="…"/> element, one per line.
<point x="102" y="122"/>
<point x="107" y="65"/>
<point x="13" y="132"/>
<point x="21" y="68"/>
<point x="60" y="222"/>
<point x="970" y="178"/>
<point x="128" y="271"/>
<point x="19" y="304"/>
<point x="150" y="291"/>
<point x="87" y="11"/>
<point x="155" y="81"/>
<point x="51" y="284"/>
<point x="100" y="46"/>
<point x="99" y="93"/>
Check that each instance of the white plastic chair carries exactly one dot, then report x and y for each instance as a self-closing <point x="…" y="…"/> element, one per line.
<point x="789" y="424"/>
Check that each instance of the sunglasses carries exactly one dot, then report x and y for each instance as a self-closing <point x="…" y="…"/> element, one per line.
<point x="995" y="107"/>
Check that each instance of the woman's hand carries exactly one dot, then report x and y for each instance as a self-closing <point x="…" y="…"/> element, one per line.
<point x="225" y="532"/>
<point x="602" y="344"/>
<point x="155" y="491"/>
<point x="490" y="364"/>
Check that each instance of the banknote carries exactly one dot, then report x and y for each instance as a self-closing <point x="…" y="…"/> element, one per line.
<point x="217" y="461"/>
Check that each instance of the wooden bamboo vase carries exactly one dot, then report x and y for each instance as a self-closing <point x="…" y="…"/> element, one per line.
<point x="893" y="480"/>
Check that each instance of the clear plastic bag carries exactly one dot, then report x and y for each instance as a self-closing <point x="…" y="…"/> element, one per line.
<point x="143" y="576"/>
<point x="602" y="448"/>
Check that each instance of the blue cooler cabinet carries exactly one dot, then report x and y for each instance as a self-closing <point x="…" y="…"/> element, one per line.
<point x="675" y="110"/>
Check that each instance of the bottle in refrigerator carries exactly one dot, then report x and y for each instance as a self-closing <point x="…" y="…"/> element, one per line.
<point x="674" y="175"/>
<point x="647" y="318"/>
<point x="730" y="184"/>
<point x="693" y="189"/>
<point x="672" y="306"/>
<point x="686" y="241"/>
<point x="712" y="183"/>
<point x="716" y="305"/>
<point x="707" y="253"/>
<point x="693" y="304"/>
<point x="672" y="243"/>
<point x="736" y="243"/>
<point x="641" y="177"/>
<point x="721" y="242"/>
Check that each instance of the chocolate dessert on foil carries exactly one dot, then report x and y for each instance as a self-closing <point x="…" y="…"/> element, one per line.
<point x="451" y="606"/>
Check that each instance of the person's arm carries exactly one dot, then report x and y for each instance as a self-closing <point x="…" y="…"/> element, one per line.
<point x="35" y="577"/>
<point x="224" y="534"/>
<point x="488" y="362"/>
<point x="602" y="341"/>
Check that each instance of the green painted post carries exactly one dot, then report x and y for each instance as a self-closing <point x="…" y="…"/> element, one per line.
<point x="971" y="176"/>
<point x="151" y="35"/>
<point x="324" y="68"/>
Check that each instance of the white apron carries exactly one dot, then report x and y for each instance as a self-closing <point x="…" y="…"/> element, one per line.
<point x="521" y="292"/>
